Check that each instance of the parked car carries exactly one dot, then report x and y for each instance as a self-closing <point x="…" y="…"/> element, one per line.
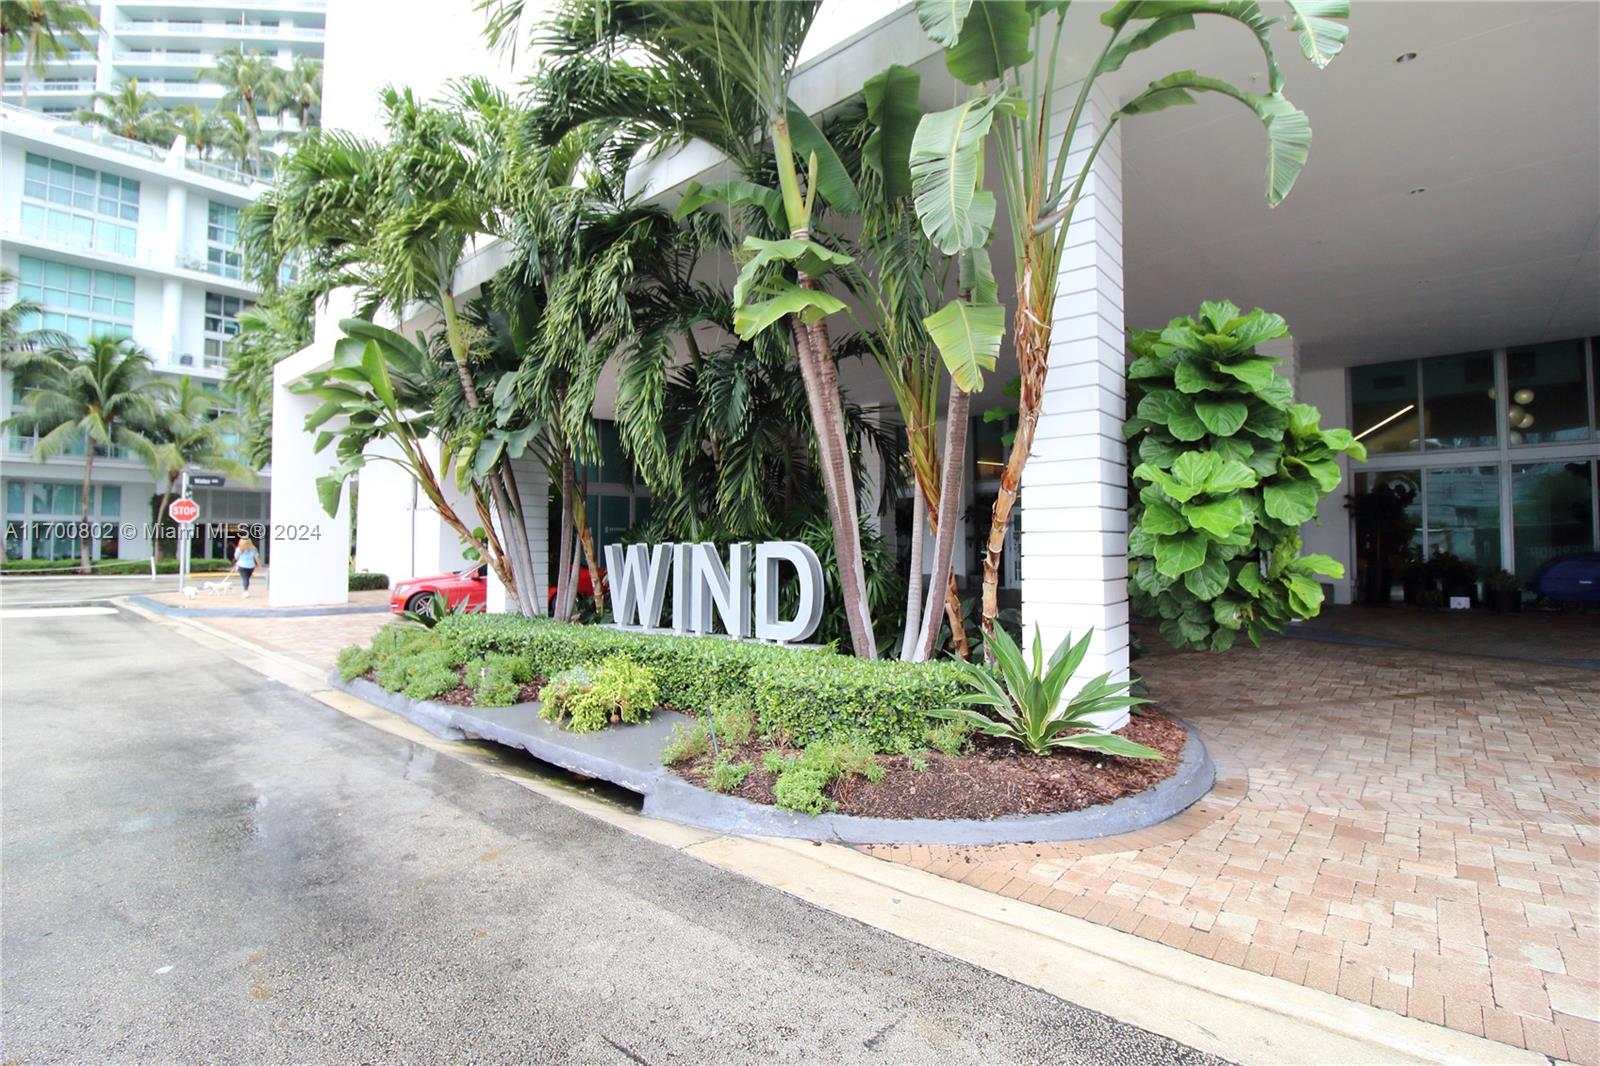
<point x="469" y="586"/>
<point x="1570" y="579"/>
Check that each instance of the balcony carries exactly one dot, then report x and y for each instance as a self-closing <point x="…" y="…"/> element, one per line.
<point x="166" y="28"/>
<point x="163" y="57"/>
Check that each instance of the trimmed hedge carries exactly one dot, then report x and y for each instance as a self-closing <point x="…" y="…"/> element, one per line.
<point x="798" y="695"/>
<point x="365" y="582"/>
<point x="103" y="567"/>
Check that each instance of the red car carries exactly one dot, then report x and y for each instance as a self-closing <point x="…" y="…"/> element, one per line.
<point x="469" y="586"/>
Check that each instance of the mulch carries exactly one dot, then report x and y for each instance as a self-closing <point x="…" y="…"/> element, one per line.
<point x="993" y="780"/>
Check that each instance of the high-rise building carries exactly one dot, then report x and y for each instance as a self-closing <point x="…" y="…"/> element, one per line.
<point x="167" y="46"/>
<point x="112" y="237"/>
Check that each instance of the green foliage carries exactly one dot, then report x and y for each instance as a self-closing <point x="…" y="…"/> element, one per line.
<point x="689" y="740"/>
<point x="429" y="681"/>
<point x="496" y="680"/>
<point x="733" y="721"/>
<point x="588" y="699"/>
<point x="950" y="737"/>
<point x="353" y="662"/>
<point x="801" y="694"/>
<point x="48" y="567"/>
<point x="727" y="775"/>
<point x="366" y="582"/>
<point x="408" y="659"/>
<point x="1228" y="468"/>
<point x="1027" y="703"/>
<point x="803" y="780"/>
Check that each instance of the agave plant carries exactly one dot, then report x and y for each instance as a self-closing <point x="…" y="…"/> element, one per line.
<point x="1028" y="705"/>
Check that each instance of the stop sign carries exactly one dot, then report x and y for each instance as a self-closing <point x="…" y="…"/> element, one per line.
<point x="184" y="512"/>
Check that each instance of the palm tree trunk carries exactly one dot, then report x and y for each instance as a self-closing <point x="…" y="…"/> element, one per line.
<point x="580" y="514"/>
<point x="566" y="579"/>
<point x="30" y="59"/>
<point x="919" y="518"/>
<point x="821" y="377"/>
<point x="532" y="598"/>
<point x="84" y="566"/>
<point x="1033" y="351"/>
<point x="955" y="459"/>
<point x="161" y="509"/>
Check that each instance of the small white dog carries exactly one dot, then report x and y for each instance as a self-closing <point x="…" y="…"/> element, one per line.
<point x="190" y="592"/>
<point x="218" y="587"/>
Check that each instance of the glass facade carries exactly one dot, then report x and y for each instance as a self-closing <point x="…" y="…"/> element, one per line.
<point x="1486" y="457"/>
<point x="221" y="325"/>
<point x="222" y="241"/>
<point x="78" y="301"/>
<point x="43" y="518"/>
<point x="79" y="207"/>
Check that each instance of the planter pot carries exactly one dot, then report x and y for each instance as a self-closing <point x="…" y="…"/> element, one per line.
<point x="1502" y="601"/>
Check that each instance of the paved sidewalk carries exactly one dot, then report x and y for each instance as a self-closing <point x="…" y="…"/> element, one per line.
<point x="317" y="639"/>
<point x="1406" y="828"/>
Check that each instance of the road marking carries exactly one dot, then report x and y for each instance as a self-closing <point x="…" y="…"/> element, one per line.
<point x="53" y="612"/>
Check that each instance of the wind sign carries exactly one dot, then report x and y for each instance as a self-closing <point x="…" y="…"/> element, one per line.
<point x="703" y="589"/>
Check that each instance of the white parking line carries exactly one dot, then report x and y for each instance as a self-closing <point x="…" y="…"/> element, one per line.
<point x="53" y="612"/>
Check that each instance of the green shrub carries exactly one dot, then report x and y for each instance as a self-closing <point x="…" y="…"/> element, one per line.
<point x="618" y="689"/>
<point x="881" y="701"/>
<point x="365" y="582"/>
<point x="353" y="662"/>
<point x="56" y="567"/>
<point x="803" y="780"/>
<point x="727" y="775"/>
<point x="734" y="722"/>
<point x="689" y="740"/>
<point x="491" y="681"/>
<point x="950" y="738"/>
<point x="430" y="682"/>
<point x="1228" y="468"/>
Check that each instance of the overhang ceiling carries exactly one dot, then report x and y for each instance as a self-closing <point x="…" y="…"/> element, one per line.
<point x="1496" y="120"/>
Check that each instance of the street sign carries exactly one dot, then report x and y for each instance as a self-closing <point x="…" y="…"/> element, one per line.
<point x="184" y="512"/>
<point x="205" y="481"/>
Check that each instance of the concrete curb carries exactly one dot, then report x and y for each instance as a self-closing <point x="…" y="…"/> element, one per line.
<point x="248" y="612"/>
<point x="630" y="757"/>
<point x="1232" y="1012"/>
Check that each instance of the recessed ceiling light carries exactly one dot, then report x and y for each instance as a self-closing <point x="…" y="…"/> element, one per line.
<point x="1414" y="192"/>
<point x="1405" y="57"/>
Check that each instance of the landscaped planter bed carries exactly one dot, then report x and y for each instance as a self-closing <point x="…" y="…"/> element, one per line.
<point x="995" y="779"/>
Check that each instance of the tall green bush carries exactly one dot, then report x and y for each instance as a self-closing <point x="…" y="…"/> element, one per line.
<point x="1228" y="469"/>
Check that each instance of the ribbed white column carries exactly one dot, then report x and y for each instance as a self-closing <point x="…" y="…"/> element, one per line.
<point x="534" y="486"/>
<point x="1074" y="488"/>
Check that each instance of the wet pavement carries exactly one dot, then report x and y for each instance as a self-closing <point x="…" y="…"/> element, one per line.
<point x="200" y="864"/>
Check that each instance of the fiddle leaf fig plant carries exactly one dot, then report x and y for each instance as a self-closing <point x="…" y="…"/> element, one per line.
<point x="1228" y="469"/>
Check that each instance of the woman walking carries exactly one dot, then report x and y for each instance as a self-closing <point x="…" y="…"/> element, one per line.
<point x="245" y="558"/>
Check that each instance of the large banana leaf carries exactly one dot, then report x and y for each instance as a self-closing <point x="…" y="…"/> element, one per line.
<point x="1321" y="38"/>
<point x="968" y="337"/>
<point x="994" y="38"/>
<point x="945" y="156"/>
<point x="1288" y="129"/>
<point x="808" y="257"/>
<point x="832" y="180"/>
<point x="733" y="192"/>
<point x="783" y="297"/>
<point x="941" y="19"/>
<point x="892" y="108"/>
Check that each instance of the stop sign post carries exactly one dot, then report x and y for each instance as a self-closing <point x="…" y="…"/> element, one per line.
<point x="184" y="512"/>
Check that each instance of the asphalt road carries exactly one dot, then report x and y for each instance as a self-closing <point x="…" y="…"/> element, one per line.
<point x="197" y="864"/>
<point x="38" y="591"/>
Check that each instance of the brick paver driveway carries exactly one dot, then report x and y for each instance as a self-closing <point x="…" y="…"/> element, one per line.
<point x="1404" y="827"/>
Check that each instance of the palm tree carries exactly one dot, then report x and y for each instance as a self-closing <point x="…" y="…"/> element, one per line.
<point x="132" y="113"/>
<point x="43" y="30"/>
<point x="20" y="337"/>
<point x="189" y="433"/>
<point x="102" y="396"/>
<point x="200" y="129"/>
<point x="719" y="71"/>
<point x="231" y="138"/>
<point x="249" y="81"/>
<point x="303" y="89"/>
<point x="272" y="329"/>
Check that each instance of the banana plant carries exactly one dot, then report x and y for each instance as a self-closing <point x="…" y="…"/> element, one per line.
<point x="1008" y="53"/>
<point x="378" y="388"/>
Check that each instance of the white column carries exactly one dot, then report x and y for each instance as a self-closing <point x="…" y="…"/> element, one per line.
<point x="1074" y="487"/>
<point x="172" y="247"/>
<point x="311" y="567"/>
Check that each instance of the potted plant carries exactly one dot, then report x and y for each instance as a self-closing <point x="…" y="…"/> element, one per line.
<point x="1451" y="576"/>
<point x="1503" y="591"/>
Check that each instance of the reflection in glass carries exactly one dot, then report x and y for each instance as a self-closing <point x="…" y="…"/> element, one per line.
<point x="1383" y="406"/>
<point x="1549" y="396"/>
<point x="1458" y="399"/>
<point x="1553" y="507"/>
<point x="1387" y="509"/>
<point x="1464" y="514"/>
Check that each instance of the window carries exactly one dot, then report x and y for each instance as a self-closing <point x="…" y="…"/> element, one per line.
<point x="1553" y="507"/>
<point x="1383" y="406"/>
<point x="79" y="207"/>
<point x="222" y="325"/>
<point x="1549" y="400"/>
<point x="1458" y="406"/>
<point x="42" y="515"/>
<point x="222" y="241"/>
<point x="78" y="301"/>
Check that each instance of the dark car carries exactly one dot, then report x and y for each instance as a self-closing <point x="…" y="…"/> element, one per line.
<point x="1569" y="579"/>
